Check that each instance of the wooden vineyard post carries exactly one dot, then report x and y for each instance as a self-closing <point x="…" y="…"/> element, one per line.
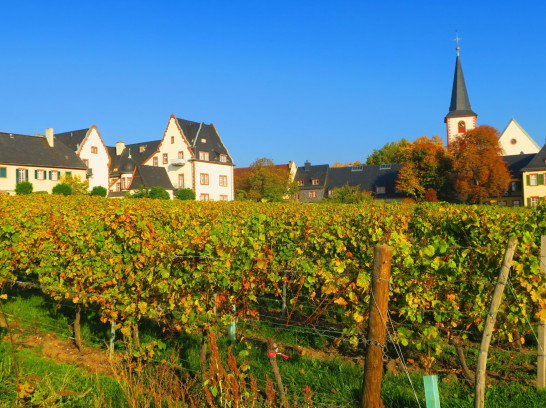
<point x="377" y="329"/>
<point x="541" y="371"/>
<point x="112" y="339"/>
<point x="479" y="400"/>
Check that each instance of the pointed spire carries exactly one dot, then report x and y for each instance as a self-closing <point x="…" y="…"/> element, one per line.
<point x="460" y="104"/>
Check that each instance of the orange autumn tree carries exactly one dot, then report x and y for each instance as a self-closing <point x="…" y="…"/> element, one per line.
<point x="426" y="167"/>
<point x="480" y="171"/>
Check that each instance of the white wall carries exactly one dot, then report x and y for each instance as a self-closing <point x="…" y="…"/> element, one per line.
<point x="514" y="140"/>
<point x="453" y="126"/>
<point x="171" y="149"/>
<point x="214" y="170"/>
<point x="98" y="161"/>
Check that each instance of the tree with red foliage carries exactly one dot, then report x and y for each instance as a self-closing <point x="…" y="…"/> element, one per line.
<point x="480" y="171"/>
<point x="426" y="166"/>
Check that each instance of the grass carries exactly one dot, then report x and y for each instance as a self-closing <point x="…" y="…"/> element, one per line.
<point x="332" y="379"/>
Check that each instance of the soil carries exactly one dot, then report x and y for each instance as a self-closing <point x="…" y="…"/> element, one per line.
<point x="92" y="359"/>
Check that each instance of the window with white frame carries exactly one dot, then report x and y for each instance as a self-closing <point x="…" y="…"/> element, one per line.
<point x="21" y="175"/>
<point x="315" y="182"/>
<point x="301" y="182"/>
<point x="180" y="181"/>
<point x="515" y="203"/>
<point x="223" y="158"/>
<point x="534" y="201"/>
<point x="156" y="162"/>
<point x="203" y="155"/>
<point x="380" y="190"/>
<point x="165" y="158"/>
<point x="533" y="180"/>
<point x="312" y="194"/>
<point x="40" y="174"/>
<point x="54" y="175"/>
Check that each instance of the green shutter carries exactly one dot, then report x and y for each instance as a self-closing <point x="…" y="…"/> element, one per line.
<point x="35" y="174"/>
<point x="68" y="173"/>
<point x="528" y="200"/>
<point x="26" y="174"/>
<point x="50" y="174"/>
<point x="540" y="179"/>
<point x="528" y="180"/>
<point x="2" y="172"/>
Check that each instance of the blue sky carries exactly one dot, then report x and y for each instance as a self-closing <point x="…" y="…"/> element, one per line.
<point x="289" y="80"/>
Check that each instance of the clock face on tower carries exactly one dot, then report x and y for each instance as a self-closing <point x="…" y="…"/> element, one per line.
<point x="462" y="126"/>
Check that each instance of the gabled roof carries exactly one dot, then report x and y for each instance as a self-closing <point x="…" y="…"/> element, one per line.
<point x="538" y="162"/>
<point x="517" y="162"/>
<point x="73" y="139"/>
<point x="35" y="151"/>
<point x="204" y="138"/>
<point x="514" y="128"/>
<point x="309" y="172"/>
<point x="367" y="177"/>
<point x="460" y="104"/>
<point x="139" y="153"/>
<point x="150" y="176"/>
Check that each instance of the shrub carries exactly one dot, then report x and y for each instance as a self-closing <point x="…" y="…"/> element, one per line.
<point x="185" y="194"/>
<point x="24" y="187"/>
<point x="159" y="193"/>
<point x="99" y="191"/>
<point x="141" y="192"/>
<point x="40" y="192"/>
<point x="62" y="188"/>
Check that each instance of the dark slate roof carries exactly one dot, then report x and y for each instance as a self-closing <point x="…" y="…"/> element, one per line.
<point x="517" y="162"/>
<point x="35" y="151"/>
<point x="151" y="176"/>
<point x="125" y="163"/>
<point x="538" y="162"/>
<point x="195" y="132"/>
<point x="368" y="178"/>
<point x="308" y="173"/>
<point x="73" y="139"/>
<point x="460" y="104"/>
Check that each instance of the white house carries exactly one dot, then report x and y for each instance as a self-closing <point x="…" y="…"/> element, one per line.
<point x="89" y="146"/>
<point x="515" y="140"/>
<point x="192" y="155"/>
<point x="39" y="159"/>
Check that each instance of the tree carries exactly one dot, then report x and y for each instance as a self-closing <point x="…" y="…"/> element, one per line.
<point x="349" y="195"/>
<point x="24" y="187"/>
<point x="99" y="191"/>
<point x="159" y="193"/>
<point x="388" y="154"/>
<point x="426" y="166"/>
<point x="348" y="164"/>
<point x="265" y="181"/>
<point x="78" y="186"/>
<point x="62" y="189"/>
<point x="185" y="194"/>
<point x="480" y="172"/>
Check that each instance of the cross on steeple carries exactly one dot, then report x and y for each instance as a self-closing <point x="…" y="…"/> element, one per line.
<point x="457" y="39"/>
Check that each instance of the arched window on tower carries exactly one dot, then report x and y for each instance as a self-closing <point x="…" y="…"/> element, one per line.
<point x="461" y="126"/>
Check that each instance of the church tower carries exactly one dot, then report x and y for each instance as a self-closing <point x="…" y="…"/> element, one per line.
<point x="460" y="118"/>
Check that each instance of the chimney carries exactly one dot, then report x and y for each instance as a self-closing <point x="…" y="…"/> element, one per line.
<point x="120" y="146"/>
<point x="307" y="165"/>
<point x="49" y="136"/>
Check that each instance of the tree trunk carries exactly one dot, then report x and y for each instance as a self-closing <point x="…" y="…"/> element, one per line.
<point x="77" y="333"/>
<point x="136" y="337"/>
<point x="462" y="360"/>
<point x="203" y="355"/>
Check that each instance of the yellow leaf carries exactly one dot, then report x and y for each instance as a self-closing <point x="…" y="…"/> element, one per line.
<point x="3" y="296"/>
<point x="340" y="301"/>
<point x="358" y="317"/>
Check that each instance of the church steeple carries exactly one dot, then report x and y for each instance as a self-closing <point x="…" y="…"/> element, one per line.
<point x="460" y="117"/>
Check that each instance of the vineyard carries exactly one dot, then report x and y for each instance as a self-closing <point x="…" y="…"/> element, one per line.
<point x="204" y="269"/>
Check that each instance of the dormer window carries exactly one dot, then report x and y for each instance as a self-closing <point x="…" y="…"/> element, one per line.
<point x="315" y="182"/>
<point x="461" y="126"/>
<point x="223" y="158"/>
<point x="357" y="168"/>
<point x="384" y="167"/>
<point x="380" y="190"/>
<point x="203" y="155"/>
<point x="203" y="140"/>
<point x="142" y="148"/>
<point x="301" y="182"/>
